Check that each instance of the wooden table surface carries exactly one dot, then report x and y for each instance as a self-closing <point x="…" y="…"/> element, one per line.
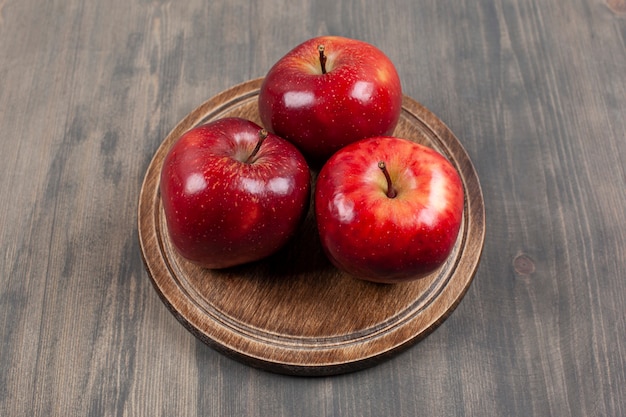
<point x="536" y="92"/>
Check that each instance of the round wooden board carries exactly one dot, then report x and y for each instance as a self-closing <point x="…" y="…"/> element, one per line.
<point x="293" y="312"/>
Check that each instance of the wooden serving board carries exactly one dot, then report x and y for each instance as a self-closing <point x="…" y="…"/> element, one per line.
<point x="294" y="312"/>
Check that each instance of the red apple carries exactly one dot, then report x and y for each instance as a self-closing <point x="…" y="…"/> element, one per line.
<point x="324" y="99"/>
<point x="388" y="209"/>
<point x="232" y="193"/>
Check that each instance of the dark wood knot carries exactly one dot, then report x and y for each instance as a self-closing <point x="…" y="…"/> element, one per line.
<point x="523" y="264"/>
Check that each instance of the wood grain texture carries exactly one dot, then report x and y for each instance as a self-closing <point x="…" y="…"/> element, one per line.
<point x="534" y="90"/>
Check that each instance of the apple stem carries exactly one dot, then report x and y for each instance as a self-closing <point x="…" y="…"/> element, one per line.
<point x="262" y="135"/>
<point x="322" y="58"/>
<point x="391" y="192"/>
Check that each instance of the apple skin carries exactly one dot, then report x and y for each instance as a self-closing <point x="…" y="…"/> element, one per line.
<point x="222" y="211"/>
<point x="359" y="96"/>
<point x="388" y="240"/>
